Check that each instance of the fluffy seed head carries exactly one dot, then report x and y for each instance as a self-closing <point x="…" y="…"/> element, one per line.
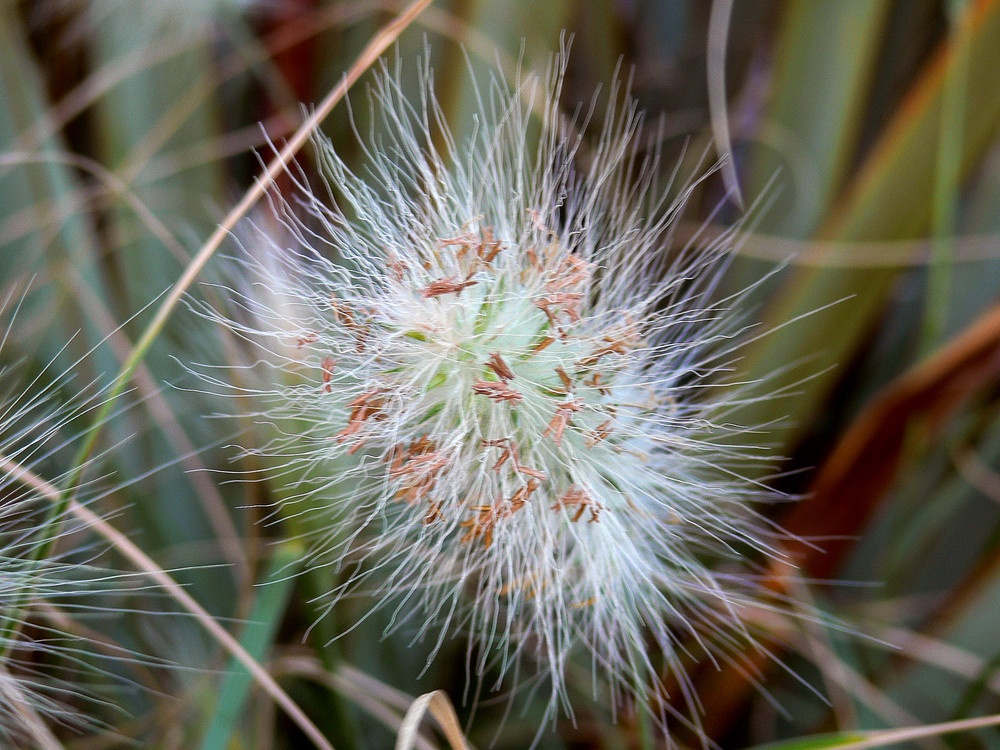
<point x="499" y="403"/>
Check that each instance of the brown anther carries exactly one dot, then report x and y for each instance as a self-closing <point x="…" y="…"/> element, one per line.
<point x="489" y="247"/>
<point x="599" y="434"/>
<point x="563" y="299"/>
<point x="396" y="460"/>
<point x="595" y="382"/>
<point x="483" y="243"/>
<point x="310" y="338"/>
<point x="618" y="342"/>
<point x="540" y="345"/>
<point x="394" y="264"/>
<point x="579" y="497"/>
<point x="584" y="604"/>
<point x="573" y="272"/>
<point x="343" y="315"/>
<point x="518" y="499"/>
<point x="618" y="346"/>
<point x="614" y="347"/>
<point x="501" y="368"/>
<point x="423" y="444"/>
<point x="553" y="320"/>
<point x="540" y="475"/>
<point x="526" y="584"/>
<point x="341" y="312"/>
<point x="565" y="378"/>
<point x="447" y="285"/>
<point x="433" y="514"/>
<point x="475" y="531"/>
<point x="496" y="391"/>
<point x="482" y="525"/>
<point x="463" y="241"/>
<point x="402" y="453"/>
<point x="420" y="476"/>
<point x="363" y="407"/>
<point x="510" y="452"/>
<point x="487" y="516"/>
<point x="562" y="419"/>
<point x="567" y="302"/>
<point x="328" y="364"/>
<point x="363" y="398"/>
<point x="419" y="465"/>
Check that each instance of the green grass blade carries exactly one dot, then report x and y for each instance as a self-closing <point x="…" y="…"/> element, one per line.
<point x="889" y="199"/>
<point x="258" y="636"/>
<point x="825" y="65"/>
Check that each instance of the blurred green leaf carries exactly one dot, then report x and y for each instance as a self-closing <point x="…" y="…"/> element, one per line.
<point x="815" y="743"/>
<point x="888" y="199"/>
<point x="825" y="63"/>
<point x="273" y="595"/>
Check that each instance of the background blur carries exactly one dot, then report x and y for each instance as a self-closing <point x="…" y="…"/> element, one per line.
<point x="872" y="130"/>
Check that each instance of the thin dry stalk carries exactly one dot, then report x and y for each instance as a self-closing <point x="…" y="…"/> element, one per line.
<point x="379" y="43"/>
<point x="718" y="30"/>
<point x="906" y="734"/>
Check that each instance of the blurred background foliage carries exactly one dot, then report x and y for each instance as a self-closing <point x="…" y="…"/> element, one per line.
<point x="869" y="128"/>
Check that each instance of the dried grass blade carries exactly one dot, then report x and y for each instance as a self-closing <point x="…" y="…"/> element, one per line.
<point x="441" y="709"/>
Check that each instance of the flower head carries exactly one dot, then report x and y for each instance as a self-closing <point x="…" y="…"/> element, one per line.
<point x="501" y="365"/>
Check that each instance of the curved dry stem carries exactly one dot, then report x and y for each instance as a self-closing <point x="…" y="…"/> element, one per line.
<point x="718" y="30"/>
<point x="440" y="708"/>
